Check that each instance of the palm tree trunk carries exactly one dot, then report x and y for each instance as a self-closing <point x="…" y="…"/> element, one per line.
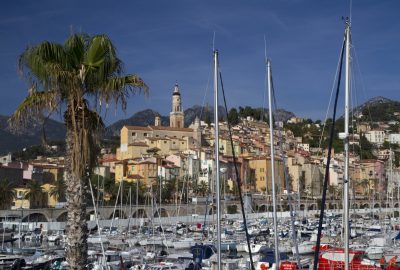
<point x="77" y="231"/>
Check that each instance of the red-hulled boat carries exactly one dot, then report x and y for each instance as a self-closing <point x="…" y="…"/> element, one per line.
<point x="333" y="259"/>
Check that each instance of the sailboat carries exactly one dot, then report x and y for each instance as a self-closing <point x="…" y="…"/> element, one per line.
<point x="227" y="263"/>
<point x="327" y="257"/>
<point x="277" y="256"/>
<point x="344" y="258"/>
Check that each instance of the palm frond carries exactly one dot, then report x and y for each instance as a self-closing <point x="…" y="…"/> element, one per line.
<point x="100" y="50"/>
<point x="118" y="89"/>
<point x="7" y="193"/>
<point x="35" y="190"/>
<point x="34" y="105"/>
<point x="75" y="47"/>
<point x="58" y="189"/>
<point x="47" y="65"/>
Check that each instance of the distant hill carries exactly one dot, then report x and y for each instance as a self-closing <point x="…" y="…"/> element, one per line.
<point x="263" y="113"/>
<point x="203" y="113"/>
<point x="11" y="141"/>
<point x="378" y="109"/>
<point x="283" y="115"/>
<point x="142" y="118"/>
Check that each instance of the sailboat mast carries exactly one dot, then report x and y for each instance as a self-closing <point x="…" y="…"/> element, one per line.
<point x="271" y="140"/>
<point x="216" y="147"/>
<point x="137" y="203"/>
<point x="346" y="150"/>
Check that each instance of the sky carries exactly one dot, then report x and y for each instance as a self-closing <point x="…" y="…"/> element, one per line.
<point x="165" y="42"/>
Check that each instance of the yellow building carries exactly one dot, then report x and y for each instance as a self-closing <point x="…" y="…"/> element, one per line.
<point x="137" y="141"/>
<point x="50" y="171"/>
<point x="133" y="150"/>
<point x="261" y="168"/>
<point x="226" y="146"/>
<point x="51" y="200"/>
<point x="133" y="170"/>
<point x="19" y="200"/>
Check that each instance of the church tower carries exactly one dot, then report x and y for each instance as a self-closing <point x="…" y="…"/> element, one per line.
<point x="176" y="116"/>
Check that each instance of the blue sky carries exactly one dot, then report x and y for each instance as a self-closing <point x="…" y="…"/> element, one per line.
<point x="169" y="41"/>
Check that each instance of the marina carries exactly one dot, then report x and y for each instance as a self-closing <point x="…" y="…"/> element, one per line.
<point x="246" y="187"/>
<point x="164" y="245"/>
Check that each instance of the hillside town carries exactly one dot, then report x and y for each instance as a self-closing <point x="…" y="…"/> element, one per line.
<point x="178" y="162"/>
<point x="200" y="135"/>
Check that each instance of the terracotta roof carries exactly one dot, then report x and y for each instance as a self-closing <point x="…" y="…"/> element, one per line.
<point x="146" y="162"/>
<point x="150" y="128"/>
<point x="166" y="162"/>
<point x="171" y="128"/>
<point x="138" y="144"/>
<point x="138" y="128"/>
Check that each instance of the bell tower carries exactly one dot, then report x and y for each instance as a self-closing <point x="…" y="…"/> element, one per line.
<point x="176" y="116"/>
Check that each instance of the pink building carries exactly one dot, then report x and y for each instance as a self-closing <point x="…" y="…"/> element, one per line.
<point x="375" y="169"/>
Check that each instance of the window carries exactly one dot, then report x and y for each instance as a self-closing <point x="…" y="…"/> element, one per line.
<point x="145" y="134"/>
<point x="133" y="134"/>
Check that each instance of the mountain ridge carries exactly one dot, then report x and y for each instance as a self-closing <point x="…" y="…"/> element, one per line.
<point x="381" y="108"/>
<point x="31" y="135"/>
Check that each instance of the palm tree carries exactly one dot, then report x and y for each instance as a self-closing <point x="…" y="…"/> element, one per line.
<point x="58" y="189"/>
<point x="7" y="193"/>
<point x="339" y="192"/>
<point x="331" y="191"/>
<point x="70" y="76"/>
<point x="365" y="185"/>
<point x="35" y="194"/>
<point x="202" y="188"/>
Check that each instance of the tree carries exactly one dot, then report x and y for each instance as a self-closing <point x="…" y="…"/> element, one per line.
<point x="233" y="117"/>
<point x="7" y="193"/>
<point x="386" y="145"/>
<point x="133" y="185"/>
<point x="200" y="188"/>
<point x="68" y="77"/>
<point x="58" y="189"/>
<point x="365" y="184"/>
<point x="35" y="195"/>
<point x="365" y="150"/>
<point x="207" y="119"/>
<point x="339" y="192"/>
<point x="331" y="191"/>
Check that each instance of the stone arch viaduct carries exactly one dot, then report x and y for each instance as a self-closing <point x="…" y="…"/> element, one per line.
<point x="145" y="211"/>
